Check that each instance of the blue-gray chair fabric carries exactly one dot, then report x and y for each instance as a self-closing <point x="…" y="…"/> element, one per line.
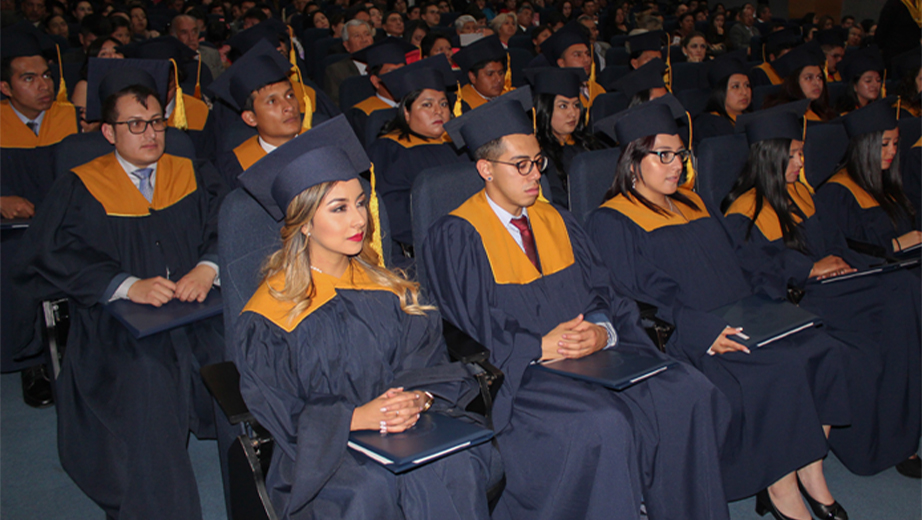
<point x="376" y="121"/>
<point x="590" y="176"/>
<point x="694" y="100"/>
<point x="721" y="160"/>
<point x="354" y="90"/>
<point x="688" y="76"/>
<point x="761" y="92"/>
<point x="824" y="149"/>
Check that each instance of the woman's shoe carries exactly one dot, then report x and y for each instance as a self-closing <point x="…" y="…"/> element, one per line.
<point x="765" y="505"/>
<point x="822" y="511"/>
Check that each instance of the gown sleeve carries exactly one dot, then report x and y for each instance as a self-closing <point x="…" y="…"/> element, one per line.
<point x="614" y="235"/>
<point x="770" y="267"/>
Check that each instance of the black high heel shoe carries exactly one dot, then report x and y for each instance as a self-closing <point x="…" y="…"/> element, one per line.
<point x="822" y="511"/>
<point x="765" y="505"/>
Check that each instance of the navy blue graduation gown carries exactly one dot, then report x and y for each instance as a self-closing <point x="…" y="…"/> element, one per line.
<point x="126" y="406"/>
<point x="231" y="163"/>
<point x="27" y="171"/>
<point x="877" y="317"/>
<point x="397" y="163"/>
<point x="573" y="449"/>
<point x="912" y="180"/>
<point x="781" y="394"/>
<point x="844" y="207"/>
<point x="302" y="378"/>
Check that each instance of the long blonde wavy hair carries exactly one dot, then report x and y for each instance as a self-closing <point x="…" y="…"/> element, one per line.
<point x="293" y="259"/>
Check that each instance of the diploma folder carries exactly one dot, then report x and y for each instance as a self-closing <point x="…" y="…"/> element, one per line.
<point x="432" y="437"/>
<point x="765" y="320"/>
<point x="609" y="368"/>
<point x="875" y="269"/>
<point x="145" y="320"/>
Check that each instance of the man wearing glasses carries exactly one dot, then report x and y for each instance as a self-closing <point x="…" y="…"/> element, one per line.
<point x="521" y="277"/>
<point x="135" y="224"/>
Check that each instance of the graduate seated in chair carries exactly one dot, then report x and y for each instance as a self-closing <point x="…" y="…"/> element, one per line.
<point x="381" y="58"/>
<point x="141" y="225"/>
<point x="569" y="48"/>
<point x="413" y="141"/>
<point x="485" y="64"/>
<point x="257" y="86"/>
<point x="333" y="342"/>
<point x="521" y="277"/>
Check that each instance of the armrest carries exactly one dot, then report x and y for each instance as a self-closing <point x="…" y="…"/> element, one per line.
<point x="223" y="381"/>
<point x="657" y="328"/>
<point x="463" y="348"/>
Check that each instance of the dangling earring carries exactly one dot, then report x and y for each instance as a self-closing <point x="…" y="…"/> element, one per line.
<point x="633" y="186"/>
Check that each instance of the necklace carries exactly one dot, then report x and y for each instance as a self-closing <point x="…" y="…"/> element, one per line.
<point x="316" y="269"/>
<point x="671" y="207"/>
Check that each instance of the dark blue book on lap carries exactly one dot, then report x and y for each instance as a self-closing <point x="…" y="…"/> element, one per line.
<point x="144" y="320"/>
<point x="901" y="262"/>
<point x="14" y="223"/>
<point x="609" y="368"/>
<point x="765" y="320"/>
<point x="432" y="437"/>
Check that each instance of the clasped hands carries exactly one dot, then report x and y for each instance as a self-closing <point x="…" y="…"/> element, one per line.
<point x="156" y="291"/>
<point x="393" y="411"/>
<point x="573" y="339"/>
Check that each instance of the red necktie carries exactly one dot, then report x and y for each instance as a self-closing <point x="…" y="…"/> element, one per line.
<point x="528" y="240"/>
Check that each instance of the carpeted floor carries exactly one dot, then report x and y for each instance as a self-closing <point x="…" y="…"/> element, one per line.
<point x="34" y="486"/>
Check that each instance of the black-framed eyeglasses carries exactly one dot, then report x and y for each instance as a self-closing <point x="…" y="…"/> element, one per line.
<point x="139" y="126"/>
<point x="524" y="166"/>
<point x="667" y="156"/>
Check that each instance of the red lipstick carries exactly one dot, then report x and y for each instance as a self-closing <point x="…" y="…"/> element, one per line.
<point x="357" y="237"/>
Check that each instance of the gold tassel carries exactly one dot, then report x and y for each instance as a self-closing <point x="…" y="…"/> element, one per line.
<point x="308" y="116"/>
<point x="667" y="79"/>
<point x="507" y="78"/>
<point x="456" y="110"/>
<point x="802" y="176"/>
<point x="690" y="173"/>
<point x="899" y="101"/>
<point x="825" y="72"/>
<point x="179" y="109"/>
<point x="592" y="82"/>
<point x="534" y="120"/>
<point x="883" y="86"/>
<point x="376" y="219"/>
<point x="62" y="85"/>
<point x="198" y="79"/>
<point x="292" y="56"/>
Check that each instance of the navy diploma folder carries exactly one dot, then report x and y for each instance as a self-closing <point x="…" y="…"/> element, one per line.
<point x="609" y="368"/>
<point x="432" y="437"/>
<point x="144" y="320"/>
<point x="765" y="320"/>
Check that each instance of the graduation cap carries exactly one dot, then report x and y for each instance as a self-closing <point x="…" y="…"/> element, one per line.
<point x="830" y="37"/>
<point x="805" y="55"/>
<point x="651" y="118"/>
<point x="328" y="152"/>
<point x="433" y="73"/>
<point x="650" y="75"/>
<point x="387" y="51"/>
<point x="779" y="122"/>
<point x="18" y="43"/>
<point x="560" y="41"/>
<point x="726" y="66"/>
<point x="505" y="115"/>
<point x="106" y="77"/>
<point x="648" y="41"/>
<point x="858" y="62"/>
<point x="773" y="43"/>
<point x="483" y="50"/>
<point x="875" y="117"/>
<point x="262" y="65"/>
<point x="160" y="48"/>
<point x="564" y="82"/>
<point x="266" y="30"/>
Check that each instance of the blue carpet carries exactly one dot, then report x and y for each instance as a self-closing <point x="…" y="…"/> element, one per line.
<point x="33" y="484"/>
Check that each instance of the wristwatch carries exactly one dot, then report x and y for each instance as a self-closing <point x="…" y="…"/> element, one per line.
<point x="428" y="404"/>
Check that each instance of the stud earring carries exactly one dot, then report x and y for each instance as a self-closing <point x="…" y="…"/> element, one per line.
<point x="489" y="179"/>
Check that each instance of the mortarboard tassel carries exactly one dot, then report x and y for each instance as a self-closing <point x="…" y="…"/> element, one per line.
<point x="507" y="78"/>
<point x="62" y="85"/>
<point x="899" y="101"/>
<point x="667" y="78"/>
<point x="802" y="176"/>
<point x="308" y="106"/>
<point x="690" y="173"/>
<point x="592" y="82"/>
<point x="179" y="109"/>
<point x="198" y="79"/>
<point x="456" y="110"/>
<point x="292" y="55"/>
<point x="376" y="218"/>
<point x="534" y="120"/>
<point x="883" y="87"/>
